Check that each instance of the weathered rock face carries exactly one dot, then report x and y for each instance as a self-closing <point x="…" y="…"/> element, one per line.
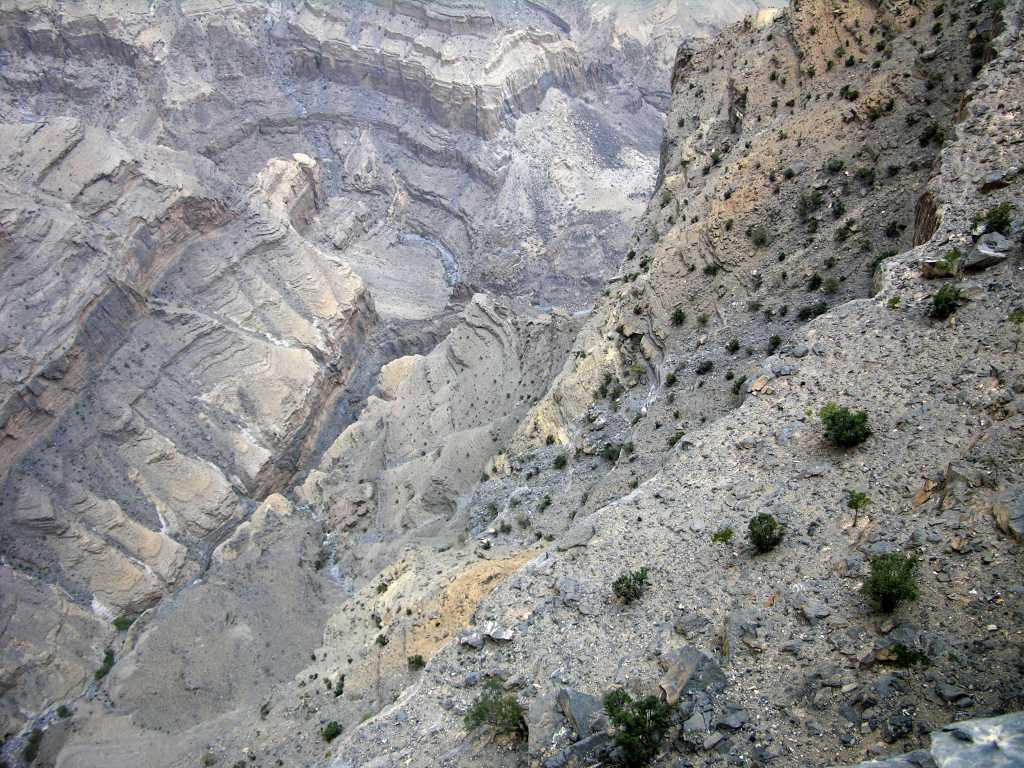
<point x="508" y="146"/>
<point x="170" y="342"/>
<point x="436" y="424"/>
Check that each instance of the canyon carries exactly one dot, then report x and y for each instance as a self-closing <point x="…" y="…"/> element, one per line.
<point x="351" y="351"/>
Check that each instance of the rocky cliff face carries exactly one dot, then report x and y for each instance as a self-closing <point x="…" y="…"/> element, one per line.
<point x="837" y="218"/>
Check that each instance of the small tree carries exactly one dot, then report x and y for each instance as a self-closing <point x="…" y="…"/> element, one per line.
<point x="891" y="581"/>
<point x="844" y="427"/>
<point x="498" y="709"/>
<point x="640" y="725"/>
<point x="856" y="500"/>
<point x="629" y="586"/>
<point x="765" y="532"/>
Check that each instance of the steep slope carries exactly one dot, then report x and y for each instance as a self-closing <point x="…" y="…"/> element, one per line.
<point x="176" y="342"/>
<point x="798" y="668"/>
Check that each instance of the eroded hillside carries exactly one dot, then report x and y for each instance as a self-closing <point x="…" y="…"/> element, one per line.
<point x="837" y="218"/>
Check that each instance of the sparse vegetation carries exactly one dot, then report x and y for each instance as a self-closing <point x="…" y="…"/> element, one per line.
<point x="996" y="219"/>
<point x="498" y="709"/>
<point x="331" y="731"/>
<point x="416" y="663"/>
<point x="106" y="665"/>
<point x="765" y="532"/>
<point x="678" y="316"/>
<point x="892" y="580"/>
<point x="843" y="427"/>
<point x="945" y="302"/>
<point x="722" y="536"/>
<point x="561" y="460"/>
<point x="704" y="366"/>
<point x="122" y="623"/>
<point x="31" y="748"/>
<point x="640" y="725"/>
<point x="629" y="586"/>
<point x="814" y="310"/>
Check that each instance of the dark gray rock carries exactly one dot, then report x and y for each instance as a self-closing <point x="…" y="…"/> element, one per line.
<point x="689" y="670"/>
<point x="582" y="711"/>
<point x="991" y="249"/>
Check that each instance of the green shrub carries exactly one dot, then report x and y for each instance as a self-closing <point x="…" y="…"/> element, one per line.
<point x="31" y="748"/>
<point x="904" y="657"/>
<point x="670" y="380"/>
<point x="611" y="452"/>
<point x="774" y="343"/>
<point x="560" y="461"/>
<point x="63" y="712"/>
<point x="497" y="709"/>
<point x="945" y="302"/>
<point x="844" y="427"/>
<point x="996" y="219"/>
<point x="416" y="662"/>
<point x="765" y="532"/>
<point x="737" y="386"/>
<point x="722" y="536"/>
<point x="834" y="165"/>
<point x="759" y="236"/>
<point x="704" y="367"/>
<point x="629" y="586"/>
<point x="121" y="623"/>
<point x="831" y="285"/>
<point x="814" y="283"/>
<point x="640" y="725"/>
<point x="807" y="313"/>
<point x="331" y="731"/>
<point x="891" y="581"/>
<point x="733" y="346"/>
<point x="678" y="435"/>
<point x="678" y="316"/>
<point x="106" y="665"/>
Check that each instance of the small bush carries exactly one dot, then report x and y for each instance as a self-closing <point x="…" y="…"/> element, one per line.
<point x="737" y="386"/>
<point x="759" y="236"/>
<point x="611" y="452"/>
<point x="63" y="712"/>
<point x="122" y="623"/>
<point x="904" y="657"/>
<point x="945" y="302"/>
<point x="844" y="427"/>
<point x="676" y="436"/>
<point x="834" y="165"/>
<point x="765" y="532"/>
<point x="704" y="367"/>
<point x="498" y="709"/>
<point x="670" y="380"/>
<point x="814" y="283"/>
<point x="891" y="581"/>
<point x="640" y="725"/>
<point x="560" y="461"/>
<point x="629" y="586"/>
<point x="722" y="536"/>
<point x="106" y="666"/>
<point x="31" y="748"/>
<point x="807" y="313"/>
<point x="331" y="731"/>
<point x="774" y="343"/>
<point x="678" y="316"/>
<point x="416" y="662"/>
<point x="996" y="219"/>
<point x="733" y="346"/>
